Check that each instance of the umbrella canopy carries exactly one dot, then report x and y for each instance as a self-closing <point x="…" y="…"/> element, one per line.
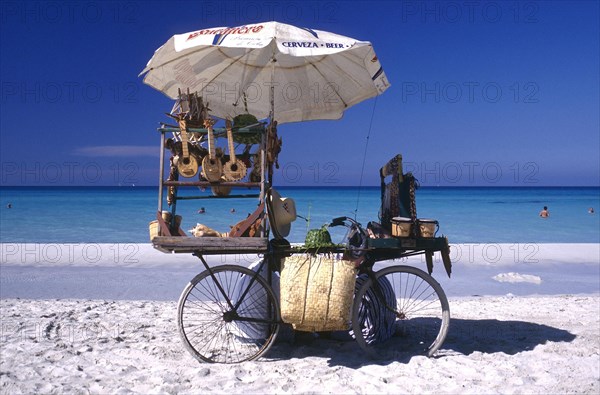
<point x="268" y="69"/>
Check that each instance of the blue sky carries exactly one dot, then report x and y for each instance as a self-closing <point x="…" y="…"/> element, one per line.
<point x="484" y="93"/>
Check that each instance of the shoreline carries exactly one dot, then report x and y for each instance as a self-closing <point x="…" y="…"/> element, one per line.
<point x="131" y="271"/>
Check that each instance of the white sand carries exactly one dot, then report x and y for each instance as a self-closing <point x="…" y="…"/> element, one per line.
<point x="98" y="338"/>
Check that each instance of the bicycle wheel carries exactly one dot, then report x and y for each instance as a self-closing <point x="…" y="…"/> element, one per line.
<point x="407" y="308"/>
<point x="229" y="316"/>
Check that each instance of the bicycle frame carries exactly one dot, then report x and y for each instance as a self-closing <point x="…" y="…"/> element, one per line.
<point x="234" y="308"/>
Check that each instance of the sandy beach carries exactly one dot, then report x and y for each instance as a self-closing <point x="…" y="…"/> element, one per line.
<point x="496" y="345"/>
<point x="526" y="335"/>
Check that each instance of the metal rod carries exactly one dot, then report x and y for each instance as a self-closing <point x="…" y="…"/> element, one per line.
<point x="264" y="229"/>
<point x="216" y="281"/>
<point x="252" y="279"/>
<point x="208" y="184"/>
<point x="254" y="195"/>
<point x="161" y="172"/>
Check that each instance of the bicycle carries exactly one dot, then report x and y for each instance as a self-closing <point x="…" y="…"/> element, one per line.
<point x="230" y="313"/>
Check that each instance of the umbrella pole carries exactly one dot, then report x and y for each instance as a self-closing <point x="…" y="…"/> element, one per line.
<point x="271" y="115"/>
<point x="272" y="88"/>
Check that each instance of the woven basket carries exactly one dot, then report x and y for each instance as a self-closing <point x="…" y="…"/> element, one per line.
<point x="154" y="229"/>
<point x="317" y="292"/>
<point x="401" y="226"/>
<point x="428" y="227"/>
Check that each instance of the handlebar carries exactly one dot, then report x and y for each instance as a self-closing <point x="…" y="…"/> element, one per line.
<point x="356" y="238"/>
<point x="337" y="221"/>
<point x="342" y="221"/>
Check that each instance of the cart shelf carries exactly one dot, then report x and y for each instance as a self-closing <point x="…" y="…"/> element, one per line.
<point x="242" y="196"/>
<point x="211" y="245"/>
<point x="224" y="245"/>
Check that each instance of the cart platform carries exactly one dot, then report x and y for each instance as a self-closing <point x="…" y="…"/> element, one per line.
<point x="211" y="245"/>
<point x="381" y="249"/>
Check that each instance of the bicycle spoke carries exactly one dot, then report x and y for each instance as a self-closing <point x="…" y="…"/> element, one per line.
<point x="212" y="331"/>
<point x="419" y="311"/>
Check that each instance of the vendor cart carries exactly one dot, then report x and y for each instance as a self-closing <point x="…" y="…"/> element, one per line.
<point x="284" y="73"/>
<point x="231" y="313"/>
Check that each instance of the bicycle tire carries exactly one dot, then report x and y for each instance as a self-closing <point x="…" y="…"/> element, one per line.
<point x="415" y="315"/>
<point x="210" y="329"/>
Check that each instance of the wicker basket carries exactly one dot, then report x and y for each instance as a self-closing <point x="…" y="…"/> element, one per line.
<point x="428" y="227"/>
<point x="317" y="292"/>
<point x="154" y="229"/>
<point x="401" y="226"/>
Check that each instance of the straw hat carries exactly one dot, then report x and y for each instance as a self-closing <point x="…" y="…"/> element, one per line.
<point x="283" y="213"/>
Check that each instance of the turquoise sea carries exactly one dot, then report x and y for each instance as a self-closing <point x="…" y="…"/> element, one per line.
<point x="466" y="215"/>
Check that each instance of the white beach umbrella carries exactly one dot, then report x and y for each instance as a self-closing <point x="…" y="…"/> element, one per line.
<point x="270" y="69"/>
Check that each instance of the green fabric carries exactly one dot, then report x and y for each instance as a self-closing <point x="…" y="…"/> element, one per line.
<point x="317" y="238"/>
<point x="243" y="120"/>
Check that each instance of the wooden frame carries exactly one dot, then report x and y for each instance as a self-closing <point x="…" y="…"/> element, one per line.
<point x="172" y="240"/>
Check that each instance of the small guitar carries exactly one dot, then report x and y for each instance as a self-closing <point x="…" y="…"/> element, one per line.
<point x="234" y="169"/>
<point x="212" y="168"/>
<point x="255" y="174"/>
<point x="187" y="165"/>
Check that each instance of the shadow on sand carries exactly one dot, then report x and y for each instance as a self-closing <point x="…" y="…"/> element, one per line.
<point x="464" y="337"/>
<point x="509" y="337"/>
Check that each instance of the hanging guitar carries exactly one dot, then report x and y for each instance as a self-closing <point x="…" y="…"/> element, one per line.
<point x="234" y="169"/>
<point x="187" y="164"/>
<point x="273" y="149"/>
<point x="212" y="168"/>
<point x="255" y="174"/>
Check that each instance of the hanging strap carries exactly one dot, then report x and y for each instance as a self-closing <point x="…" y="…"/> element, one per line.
<point x="416" y="229"/>
<point x="362" y="169"/>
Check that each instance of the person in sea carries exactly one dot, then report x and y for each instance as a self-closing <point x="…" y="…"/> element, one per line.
<point x="545" y="213"/>
<point x="591" y="210"/>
